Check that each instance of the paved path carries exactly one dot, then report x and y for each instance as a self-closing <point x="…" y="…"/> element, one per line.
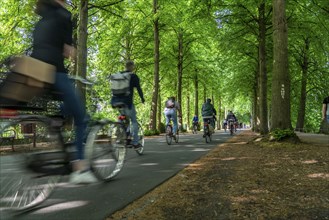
<point x="310" y="138"/>
<point x="139" y="175"/>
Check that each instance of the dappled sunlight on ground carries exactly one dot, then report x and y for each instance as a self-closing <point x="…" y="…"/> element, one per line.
<point x="319" y="175"/>
<point x="62" y="206"/>
<point x="310" y="161"/>
<point x="149" y="164"/>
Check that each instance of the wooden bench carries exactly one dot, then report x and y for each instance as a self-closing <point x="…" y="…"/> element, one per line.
<point x="8" y="136"/>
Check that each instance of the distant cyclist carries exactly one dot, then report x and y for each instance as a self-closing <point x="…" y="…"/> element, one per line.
<point x="208" y="112"/>
<point x="225" y="124"/>
<point x="195" y="120"/>
<point x="195" y="123"/>
<point x="230" y="118"/>
<point x="172" y="107"/>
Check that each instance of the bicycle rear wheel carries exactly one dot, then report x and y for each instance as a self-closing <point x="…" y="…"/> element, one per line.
<point x="106" y="149"/>
<point x="169" y="134"/>
<point x="206" y="134"/>
<point x="29" y="175"/>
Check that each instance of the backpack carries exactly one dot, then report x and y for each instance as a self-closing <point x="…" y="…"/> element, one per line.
<point x="207" y="109"/>
<point x="170" y="103"/>
<point x="120" y="84"/>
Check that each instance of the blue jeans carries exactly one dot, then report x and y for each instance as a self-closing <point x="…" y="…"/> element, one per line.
<point x="327" y="118"/>
<point x="171" y="113"/>
<point x="131" y="113"/>
<point x="73" y="106"/>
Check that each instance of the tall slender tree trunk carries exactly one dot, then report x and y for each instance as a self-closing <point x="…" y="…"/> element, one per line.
<point x="180" y="57"/>
<point x="82" y="43"/>
<point x="262" y="70"/>
<point x="281" y="80"/>
<point x="204" y="92"/>
<point x="219" y="114"/>
<point x="302" y="102"/>
<point x="153" y="113"/>
<point x="159" y="110"/>
<point x="188" y="112"/>
<point x="255" y="105"/>
<point x="196" y="94"/>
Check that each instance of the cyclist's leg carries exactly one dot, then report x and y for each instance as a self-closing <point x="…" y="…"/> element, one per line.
<point x="74" y="107"/>
<point x="212" y="121"/>
<point x="174" y="118"/>
<point x="134" y="124"/>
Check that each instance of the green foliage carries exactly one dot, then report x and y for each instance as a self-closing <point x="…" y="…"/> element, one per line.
<point x="162" y="128"/>
<point x="220" y="45"/>
<point x="151" y="132"/>
<point x="279" y="135"/>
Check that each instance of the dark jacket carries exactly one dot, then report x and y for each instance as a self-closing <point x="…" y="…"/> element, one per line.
<point x="51" y="32"/>
<point x="208" y="109"/>
<point x="128" y="100"/>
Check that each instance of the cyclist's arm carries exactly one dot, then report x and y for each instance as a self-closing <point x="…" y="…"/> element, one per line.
<point x="136" y="84"/>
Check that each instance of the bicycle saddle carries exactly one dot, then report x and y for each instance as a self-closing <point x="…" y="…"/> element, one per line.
<point x="119" y="105"/>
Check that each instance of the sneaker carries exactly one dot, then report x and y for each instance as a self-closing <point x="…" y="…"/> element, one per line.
<point x="137" y="146"/>
<point x="83" y="177"/>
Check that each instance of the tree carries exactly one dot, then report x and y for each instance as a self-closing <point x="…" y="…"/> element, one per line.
<point x="155" y="96"/>
<point x="280" y="103"/>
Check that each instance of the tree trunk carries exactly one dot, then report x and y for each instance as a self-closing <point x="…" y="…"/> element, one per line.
<point x="219" y="121"/>
<point x="281" y="80"/>
<point x="204" y="92"/>
<point x="196" y="94"/>
<point x="302" y="102"/>
<point x="82" y="44"/>
<point x="262" y="70"/>
<point x="188" y="112"/>
<point x="255" y="106"/>
<point x="153" y="114"/>
<point x="180" y="73"/>
<point x="159" y="110"/>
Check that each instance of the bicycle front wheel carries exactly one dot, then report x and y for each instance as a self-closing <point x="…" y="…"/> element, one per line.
<point x="31" y="172"/>
<point x="106" y="149"/>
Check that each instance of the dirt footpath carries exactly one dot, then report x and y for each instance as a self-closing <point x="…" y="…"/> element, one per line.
<point x="242" y="179"/>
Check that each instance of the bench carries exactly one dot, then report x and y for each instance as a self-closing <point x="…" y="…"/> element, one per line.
<point x="8" y="136"/>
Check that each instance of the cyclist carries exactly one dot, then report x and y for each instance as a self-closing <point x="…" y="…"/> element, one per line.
<point x="52" y="42"/>
<point x="172" y="107"/>
<point x="195" y="120"/>
<point x="230" y="117"/>
<point x="127" y="99"/>
<point x="208" y="112"/>
<point x="225" y="124"/>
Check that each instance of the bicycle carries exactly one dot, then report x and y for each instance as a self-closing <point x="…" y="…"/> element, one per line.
<point x="195" y="128"/>
<point x="29" y="176"/>
<point x="169" y="133"/>
<point x="122" y="132"/>
<point x="231" y="126"/>
<point x="207" y="131"/>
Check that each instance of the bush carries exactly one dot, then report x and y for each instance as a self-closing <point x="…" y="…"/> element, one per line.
<point x="279" y="134"/>
<point x="151" y="132"/>
<point x="162" y="128"/>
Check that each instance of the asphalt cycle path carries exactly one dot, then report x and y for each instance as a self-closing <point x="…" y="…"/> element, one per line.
<point x="139" y="175"/>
